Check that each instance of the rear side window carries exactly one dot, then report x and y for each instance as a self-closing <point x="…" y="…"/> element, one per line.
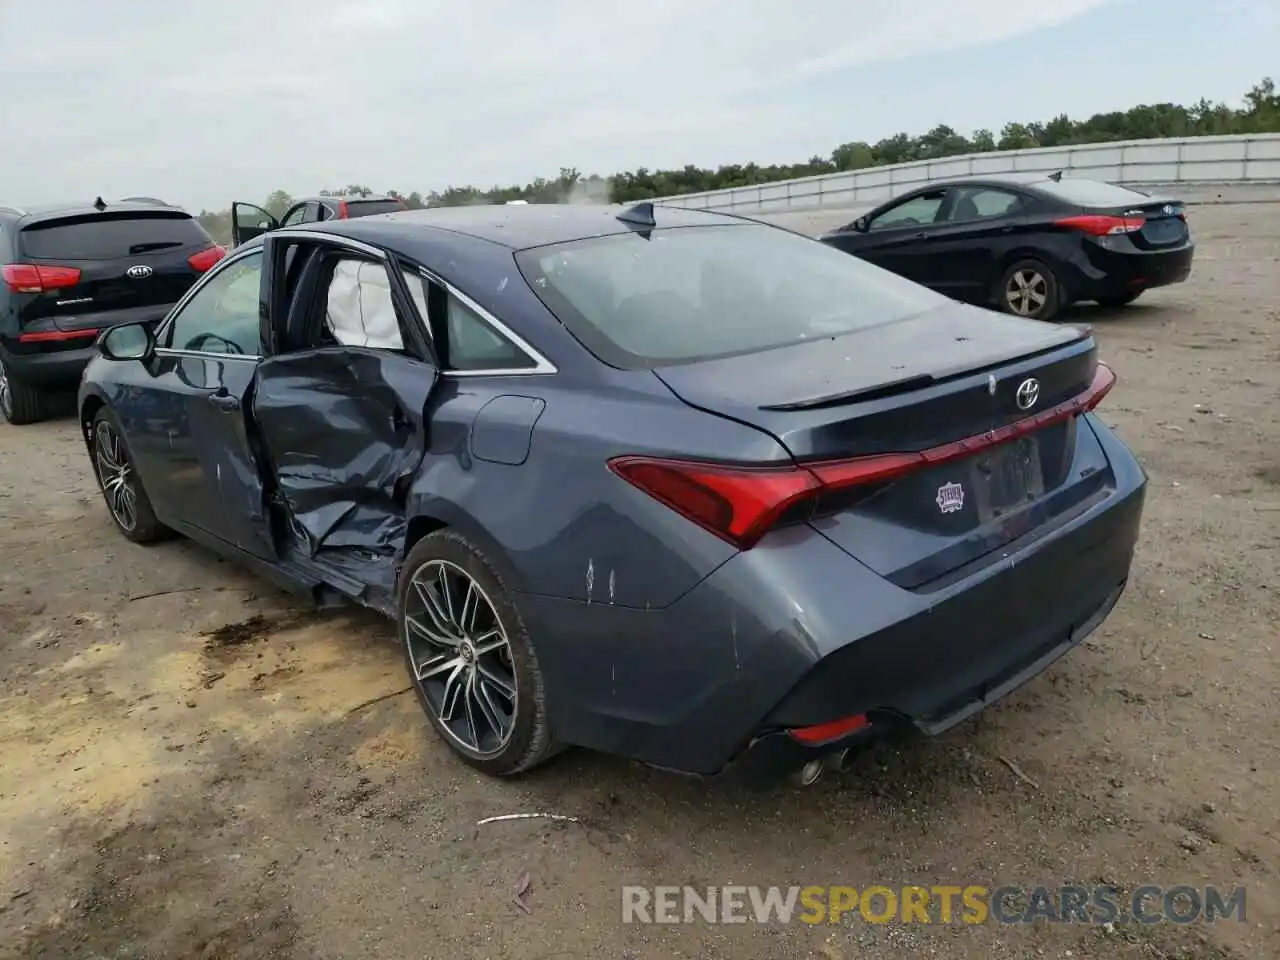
<point x="1092" y="193"/>
<point x="107" y="237"/>
<point x="695" y="293"/>
<point x="367" y="208"/>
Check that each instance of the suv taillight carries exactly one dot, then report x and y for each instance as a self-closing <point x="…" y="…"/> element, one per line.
<point x="205" y="259"/>
<point x="38" y="278"/>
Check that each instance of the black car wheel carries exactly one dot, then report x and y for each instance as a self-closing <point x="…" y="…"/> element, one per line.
<point x="20" y="403"/>
<point x="1121" y="301"/>
<point x="1030" y="289"/>
<point x="470" y="658"/>
<point x="127" y="501"/>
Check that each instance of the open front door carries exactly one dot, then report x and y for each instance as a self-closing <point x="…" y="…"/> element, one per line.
<point x="249" y="221"/>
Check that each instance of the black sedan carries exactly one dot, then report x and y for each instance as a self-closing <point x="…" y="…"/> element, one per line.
<point x="1027" y="246"/>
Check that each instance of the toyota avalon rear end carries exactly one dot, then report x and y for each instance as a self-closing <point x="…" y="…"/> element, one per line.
<point x="906" y="505"/>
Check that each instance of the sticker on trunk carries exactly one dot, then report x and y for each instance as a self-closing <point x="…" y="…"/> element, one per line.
<point x="950" y="498"/>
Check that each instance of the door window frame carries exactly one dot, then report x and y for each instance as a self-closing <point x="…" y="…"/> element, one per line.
<point x="277" y="299"/>
<point x="953" y="196"/>
<point x="301" y="206"/>
<point x="871" y="220"/>
<point x="166" y="325"/>
<point x="444" y="291"/>
<point x="419" y="327"/>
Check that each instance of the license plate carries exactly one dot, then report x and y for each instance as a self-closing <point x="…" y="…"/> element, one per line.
<point x="1007" y="478"/>
<point x="1169" y="230"/>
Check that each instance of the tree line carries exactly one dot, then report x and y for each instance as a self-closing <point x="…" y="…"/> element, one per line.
<point x="1259" y="113"/>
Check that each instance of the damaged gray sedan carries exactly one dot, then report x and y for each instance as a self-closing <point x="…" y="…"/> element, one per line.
<point x="667" y="484"/>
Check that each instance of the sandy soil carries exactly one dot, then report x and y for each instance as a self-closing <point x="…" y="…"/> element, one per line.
<point x="193" y="766"/>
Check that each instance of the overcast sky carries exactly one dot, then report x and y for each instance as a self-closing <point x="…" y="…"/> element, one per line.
<point x="204" y="103"/>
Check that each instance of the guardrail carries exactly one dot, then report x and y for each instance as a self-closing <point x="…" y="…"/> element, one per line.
<point x="1239" y="159"/>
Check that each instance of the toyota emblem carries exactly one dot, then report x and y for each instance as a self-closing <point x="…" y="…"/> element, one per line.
<point x="1028" y="393"/>
<point x="139" y="272"/>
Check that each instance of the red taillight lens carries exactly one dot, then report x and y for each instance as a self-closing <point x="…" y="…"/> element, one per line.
<point x="38" y="278"/>
<point x="205" y="259"/>
<point x="826" y="732"/>
<point x="736" y="503"/>
<point x="740" y="504"/>
<point x="342" y="210"/>
<point x="56" y="336"/>
<point x="1102" y="226"/>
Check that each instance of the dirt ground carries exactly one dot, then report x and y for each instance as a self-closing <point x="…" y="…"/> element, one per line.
<point x="193" y="766"/>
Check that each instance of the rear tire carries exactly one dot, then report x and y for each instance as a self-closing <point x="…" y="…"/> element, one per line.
<point x="1121" y="301"/>
<point x="21" y="403"/>
<point x="1030" y="289"/>
<point x="127" y="501"/>
<point x="470" y="658"/>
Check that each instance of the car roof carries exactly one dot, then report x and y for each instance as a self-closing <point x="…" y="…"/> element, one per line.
<point x="516" y="226"/>
<point x="49" y="211"/>
<point x="343" y="197"/>
<point x="1031" y="180"/>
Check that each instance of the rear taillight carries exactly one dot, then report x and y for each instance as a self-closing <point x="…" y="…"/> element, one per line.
<point x="38" y="278"/>
<point x="56" y="336"/>
<point x="741" y="503"/>
<point x="1102" y="226"/>
<point x="205" y="259"/>
<point x="342" y="210"/>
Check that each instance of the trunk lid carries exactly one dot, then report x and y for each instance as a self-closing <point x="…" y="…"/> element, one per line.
<point x="1164" y="223"/>
<point x="131" y="266"/>
<point x="914" y="385"/>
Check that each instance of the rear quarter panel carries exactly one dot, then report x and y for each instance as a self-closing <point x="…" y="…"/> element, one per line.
<point x="562" y="522"/>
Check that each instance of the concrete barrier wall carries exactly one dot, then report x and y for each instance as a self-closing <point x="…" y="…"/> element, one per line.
<point x="1201" y="169"/>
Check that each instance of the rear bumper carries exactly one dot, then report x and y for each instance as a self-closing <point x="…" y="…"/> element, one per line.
<point x="54" y="368"/>
<point x="1103" y="272"/>
<point x="777" y="754"/>
<point x="795" y="633"/>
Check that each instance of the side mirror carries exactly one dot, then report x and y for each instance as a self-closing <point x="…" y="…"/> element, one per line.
<point x="127" y="341"/>
<point x="862" y="224"/>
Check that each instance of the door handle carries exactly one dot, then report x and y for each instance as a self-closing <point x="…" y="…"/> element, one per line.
<point x="919" y="236"/>
<point x="224" y="401"/>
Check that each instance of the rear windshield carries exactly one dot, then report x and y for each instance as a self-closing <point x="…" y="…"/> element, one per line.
<point x="1092" y="193"/>
<point x="107" y="236"/>
<point x="694" y="293"/>
<point x="367" y="208"/>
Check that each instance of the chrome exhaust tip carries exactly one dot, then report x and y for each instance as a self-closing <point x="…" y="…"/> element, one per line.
<point x="811" y="772"/>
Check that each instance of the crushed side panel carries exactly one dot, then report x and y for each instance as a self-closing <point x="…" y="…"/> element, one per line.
<point x="345" y="430"/>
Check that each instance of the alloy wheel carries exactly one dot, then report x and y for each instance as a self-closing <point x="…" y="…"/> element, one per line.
<point x="1027" y="292"/>
<point x="461" y="656"/>
<point x="116" y="475"/>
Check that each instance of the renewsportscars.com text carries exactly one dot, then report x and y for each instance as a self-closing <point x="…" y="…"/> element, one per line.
<point x="971" y="904"/>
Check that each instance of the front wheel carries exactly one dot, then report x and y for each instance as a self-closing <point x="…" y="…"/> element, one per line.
<point x="127" y="501"/>
<point x="470" y="658"/>
<point x="1030" y="289"/>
